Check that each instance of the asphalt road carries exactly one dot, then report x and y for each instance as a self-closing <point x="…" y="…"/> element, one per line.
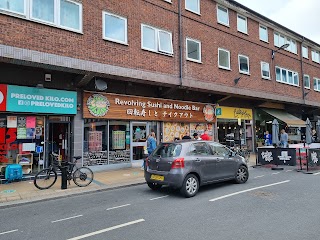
<point x="271" y="205"/>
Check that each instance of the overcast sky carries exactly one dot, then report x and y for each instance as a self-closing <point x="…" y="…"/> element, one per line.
<point x="302" y="17"/>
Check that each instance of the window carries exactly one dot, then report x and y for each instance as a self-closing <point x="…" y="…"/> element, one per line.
<point x="224" y="58"/>
<point x="287" y="76"/>
<point x="114" y="28"/>
<point x="243" y="64"/>
<point x="200" y="148"/>
<point x="263" y="33"/>
<point x="280" y="40"/>
<point x="242" y="24"/>
<point x="66" y="14"/>
<point x="306" y="81"/>
<point x="193" y="50"/>
<point x="168" y="1"/>
<point x="219" y="150"/>
<point x="316" y="84"/>
<point x="315" y="56"/>
<point x="17" y="6"/>
<point x="223" y="15"/>
<point x="156" y="40"/>
<point x="193" y="6"/>
<point x="265" y="70"/>
<point x="305" y="52"/>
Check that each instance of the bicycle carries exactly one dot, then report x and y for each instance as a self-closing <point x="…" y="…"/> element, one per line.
<point x="242" y="152"/>
<point x="47" y="177"/>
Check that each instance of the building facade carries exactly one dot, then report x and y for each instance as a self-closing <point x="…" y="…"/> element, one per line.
<point x="213" y="55"/>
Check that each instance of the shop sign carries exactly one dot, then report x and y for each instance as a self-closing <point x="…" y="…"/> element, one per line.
<point x="115" y="106"/>
<point x="29" y="99"/>
<point x="233" y="113"/>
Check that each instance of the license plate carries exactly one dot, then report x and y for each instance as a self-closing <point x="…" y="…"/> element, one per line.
<point x="157" y="177"/>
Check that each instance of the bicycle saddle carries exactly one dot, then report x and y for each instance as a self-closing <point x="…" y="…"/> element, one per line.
<point x="77" y="157"/>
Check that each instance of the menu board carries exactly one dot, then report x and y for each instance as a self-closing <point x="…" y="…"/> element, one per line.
<point x="175" y="130"/>
<point x="118" y="140"/>
<point x="95" y="141"/>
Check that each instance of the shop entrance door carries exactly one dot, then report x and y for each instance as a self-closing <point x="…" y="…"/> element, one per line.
<point x="59" y="139"/>
<point x="139" y="132"/>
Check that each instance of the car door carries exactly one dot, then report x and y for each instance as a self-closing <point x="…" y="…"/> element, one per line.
<point x="201" y="156"/>
<point x="225" y="163"/>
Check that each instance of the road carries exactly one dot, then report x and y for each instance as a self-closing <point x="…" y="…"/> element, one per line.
<point x="271" y="205"/>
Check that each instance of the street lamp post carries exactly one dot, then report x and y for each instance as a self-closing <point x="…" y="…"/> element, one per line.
<point x="284" y="46"/>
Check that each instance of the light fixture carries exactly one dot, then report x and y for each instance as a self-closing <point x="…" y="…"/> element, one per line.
<point x="229" y="127"/>
<point x="100" y="84"/>
<point x="306" y="93"/>
<point x="224" y="127"/>
<point x="39" y="85"/>
<point x="47" y="77"/>
<point x="235" y="128"/>
<point x="282" y="47"/>
<point x="236" y="80"/>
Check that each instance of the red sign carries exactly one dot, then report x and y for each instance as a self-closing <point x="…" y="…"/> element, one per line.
<point x="3" y="97"/>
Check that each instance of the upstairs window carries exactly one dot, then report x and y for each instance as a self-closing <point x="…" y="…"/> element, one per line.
<point x="156" y="40"/>
<point x="14" y="6"/>
<point x="305" y="52"/>
<point x="193" y="50"/>
<point x="242" y="24"/>
<point x="306" y="81"/>
<point x="280" y="40"/>
<point x="223" y="15"/>
<point x="193" y="6"/>
<point x="223" y="59"/>
<point x="65" y="14"/>
<point x="316" y="84"/>
<point x="315" y="56"/>
<point x="265" y="70"/>
<point x="287" y="76"/>
<point x="114" y="28"/>
<point x="243" y="64"/>
<point x="263" y="33"/>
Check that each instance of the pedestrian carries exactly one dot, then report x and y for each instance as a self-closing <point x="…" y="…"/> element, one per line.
<point x="267" y="139"/>
<point x="187" y="136"/>
<point x="283" y="139"/>
<point x="205" y="136"/>
<point x="314" y="135"/>
<point x="196" y="136"/>
<point x="151" y="145"/>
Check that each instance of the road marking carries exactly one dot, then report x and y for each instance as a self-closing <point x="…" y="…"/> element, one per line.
<point x="60" y="220"/>
<point x="158" y="197"/>
<point x="289" y="170"/>
<point x="9" y="232"/>
<point x="118" y="207"/>
<point x="275" y="173"/>
<point x="248" y="190"/>
<point x="316" y="173"/>
<point x="259" y="176"/>
<point x="107" y="229"/>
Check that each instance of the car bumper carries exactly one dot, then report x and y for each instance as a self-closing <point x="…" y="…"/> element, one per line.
<point x="174" y="178"/>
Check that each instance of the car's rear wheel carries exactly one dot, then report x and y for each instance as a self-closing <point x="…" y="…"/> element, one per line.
<point x="190" y="186"/>
<point x="242" y="175"/>
<point x="154" y="186"/>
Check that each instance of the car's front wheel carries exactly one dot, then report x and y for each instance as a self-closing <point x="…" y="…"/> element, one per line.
<point x="242" y="175"/>
<point x="154" y="186"/>
<point x="190" y="186"/>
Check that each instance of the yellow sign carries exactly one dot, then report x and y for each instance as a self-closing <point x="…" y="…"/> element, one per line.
<point x="235" y="113"/>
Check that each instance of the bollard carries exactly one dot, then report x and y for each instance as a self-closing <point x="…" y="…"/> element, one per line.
<point x="64" y="178"/>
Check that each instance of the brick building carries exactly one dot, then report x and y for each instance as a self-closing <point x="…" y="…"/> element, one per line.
<point x="70" y="57"/>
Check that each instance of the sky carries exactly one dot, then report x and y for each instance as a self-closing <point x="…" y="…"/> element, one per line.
<point x="302" y="17"/>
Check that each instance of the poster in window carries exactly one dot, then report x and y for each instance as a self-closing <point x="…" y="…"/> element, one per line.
<point x="3" y="122"/>
<point x="11" y="122"/>
<point x="21" y="122"/>
<point x="31" y="122"/>
<point x="38" y="132"/>
<point x="39" y="122"/>
<point x="175" y="130"/>
<point x="95" y="141"/>
<point x="31" y="133"/>
<point x="21" y="133"/>
<point x="118" y="140"/>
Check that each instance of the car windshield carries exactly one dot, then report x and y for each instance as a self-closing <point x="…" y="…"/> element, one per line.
<point x="166" y="150"/>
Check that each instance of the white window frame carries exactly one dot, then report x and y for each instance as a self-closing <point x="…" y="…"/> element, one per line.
<point x="199" y="43"/>
<point x="292" y="43"/>
<point x="287" y="76"/>
<point x="266" y="29"/>
<point x="248" y="63"/>
<point x="226" y="24"/>
<point x="104" y="13"/>
<point x="191" y="10"/>
<point x="308" y="77"/>
<point x="315" y="53"/>
<point x="169" y="1"/>
<point x="305" y="52"/>
<point x="264" y="77"/>
<point x="317" y="88"/>
<point x="223" y="67"/>
<point x="246" y="21"/>
<point x="157" y="38"/>
<point x="56" y="15"/>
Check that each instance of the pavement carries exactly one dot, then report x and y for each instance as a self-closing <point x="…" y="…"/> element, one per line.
<point x="23" y="192"/>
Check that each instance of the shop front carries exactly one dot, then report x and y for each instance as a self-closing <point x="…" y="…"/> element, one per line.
<point x="116" y="126"/>
<point x="33" y="123"/>
<point x="234" y="126"/>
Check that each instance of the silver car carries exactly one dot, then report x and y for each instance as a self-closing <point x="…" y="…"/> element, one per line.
<point x="187" y="165"/>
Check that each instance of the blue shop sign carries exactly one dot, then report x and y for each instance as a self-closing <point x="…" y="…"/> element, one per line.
<point x="29" y="99"/>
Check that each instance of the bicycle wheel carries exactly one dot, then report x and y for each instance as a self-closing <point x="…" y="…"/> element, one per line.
<point x="246" y="155"/>
<point x="45" y="178"/>
<point x="83" y="176"/>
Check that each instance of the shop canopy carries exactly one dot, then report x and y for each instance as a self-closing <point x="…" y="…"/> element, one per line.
<point x="283" y="116"/>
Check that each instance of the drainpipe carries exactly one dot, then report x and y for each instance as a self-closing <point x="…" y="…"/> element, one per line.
<point x="301" y="66"/>
<point x="180" y="45"/>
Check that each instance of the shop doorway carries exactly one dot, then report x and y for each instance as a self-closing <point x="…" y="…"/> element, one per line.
<point x="139" y="133"/>
<point x="59" y="140"/>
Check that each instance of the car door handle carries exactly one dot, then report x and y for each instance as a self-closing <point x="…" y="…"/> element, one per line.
<point x="198" y="160"/>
